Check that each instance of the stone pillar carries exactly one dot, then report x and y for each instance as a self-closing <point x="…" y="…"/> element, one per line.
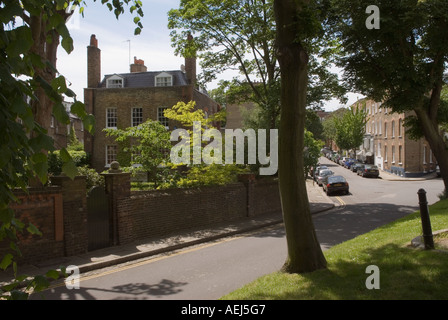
<point x="249" y="182"/>
<point x="118" y="186"/>
<point x="74" y="204"/>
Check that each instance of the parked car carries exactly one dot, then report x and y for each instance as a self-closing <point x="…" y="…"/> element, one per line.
<point x="342" y="160"/>
<point x="348" y="163"/>
<point x="323" y="175"/>
<point x="438" y="171"/>
<point x="335" y="157"/>
<point x="336" y="184"/>
<point x="369" y="170"/>
<point x="355" y="166"/>
<point x="316" y="172"/>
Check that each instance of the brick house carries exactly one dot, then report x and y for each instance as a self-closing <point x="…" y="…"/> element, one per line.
<point x="125" y="100"/>
<point x="60" y="132"/>
<point x="389" y="146"/>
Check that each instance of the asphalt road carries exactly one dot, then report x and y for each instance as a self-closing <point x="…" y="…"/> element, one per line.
<point x="209" y="271"/>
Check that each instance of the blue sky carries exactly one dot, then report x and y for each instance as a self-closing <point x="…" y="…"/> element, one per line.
<point x="153" y="45"/>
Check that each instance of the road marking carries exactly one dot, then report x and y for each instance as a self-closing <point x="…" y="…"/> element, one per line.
<point x="342" y="203"/>
<point x="154" y="259"/>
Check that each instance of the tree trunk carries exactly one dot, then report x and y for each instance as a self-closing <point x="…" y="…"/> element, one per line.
<point x="438" y="146"/>
<point x="304" y="251"/>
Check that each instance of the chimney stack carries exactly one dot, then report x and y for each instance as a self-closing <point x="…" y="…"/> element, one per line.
<point x="93" y="63"/>
<point x="138" y="66"/>
<point x="190" y="66"/>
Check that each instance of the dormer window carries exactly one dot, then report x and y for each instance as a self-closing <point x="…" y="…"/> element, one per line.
<point x="164" y="80"/>
<point x="115" y="82"/>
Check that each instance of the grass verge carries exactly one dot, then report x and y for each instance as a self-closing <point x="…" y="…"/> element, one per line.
<point x="405" y="272"/>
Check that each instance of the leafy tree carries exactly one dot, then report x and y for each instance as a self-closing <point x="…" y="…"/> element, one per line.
<point x="148" y="144"/>
<point x="31" y="91"/>
<point x="402" y="63"/>
<point x="239" y="35"/>
<point x="312" y="151"/>
<point x="329" y="125"/>
<point x="296" y="20"/>
<point x="350" y="128"/>
<point x="73" y="143"/>
<point x="314" y="124"/>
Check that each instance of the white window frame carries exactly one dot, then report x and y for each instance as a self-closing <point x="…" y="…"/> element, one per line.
<point x="161" y="117"/>
<point x="115" y="82"/>
<point x="110" y="115"/>
<point x="393" y="154"/>
<point x="136" y="116"/>
<point x="108" y="155"/>
<point x="393" y="128"/>
<point x="164" y="80"/>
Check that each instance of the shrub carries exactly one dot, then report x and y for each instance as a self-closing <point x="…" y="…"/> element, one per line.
<point x="55" y="162"/>
<point x="211" y="175"/>
<point x="93" y="178"/>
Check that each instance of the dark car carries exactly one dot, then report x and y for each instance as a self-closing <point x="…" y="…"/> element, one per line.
<point x="368" y="170"/>
<point x="355" y="166"/>
<point x="323" y="175"/>
<point x="336" y="184"/>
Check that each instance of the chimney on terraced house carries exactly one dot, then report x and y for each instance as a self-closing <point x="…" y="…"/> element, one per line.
<point x="138" y="66"/>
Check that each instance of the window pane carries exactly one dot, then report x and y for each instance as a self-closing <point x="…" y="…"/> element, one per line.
<point x="111" y="121"/>
<point x="111" y="154"/>
<point x="161" y="117"/>
<point x="137" y="116"/>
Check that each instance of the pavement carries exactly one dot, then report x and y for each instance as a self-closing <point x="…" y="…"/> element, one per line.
<point x="115" y="255"/>
<point x="393" y="177"/>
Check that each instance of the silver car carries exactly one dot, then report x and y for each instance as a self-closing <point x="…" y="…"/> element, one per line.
<point x="323" y="176"/>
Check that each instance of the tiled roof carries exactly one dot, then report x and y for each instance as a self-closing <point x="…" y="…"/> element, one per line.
<point x="146" y="79"/>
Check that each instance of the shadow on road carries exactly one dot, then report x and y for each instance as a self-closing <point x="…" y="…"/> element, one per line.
<point x="129" y="291"/>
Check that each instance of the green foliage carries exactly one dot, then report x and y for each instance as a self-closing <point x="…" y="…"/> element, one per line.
<point x="350" y="128"/>
<point x="312" y="151"/>
<point x="240" y="36"/>
<point x="402" y="64"/>
<point x="148" y="144"/>
<point x="28" y="89"/>
<point x="56" y="161"/>
<point x="211" y="175"/>
<point x="93" y="178"/>
<point x="73" y="142"/>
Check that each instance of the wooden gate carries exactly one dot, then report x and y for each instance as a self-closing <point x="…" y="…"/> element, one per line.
<point x="98" y="218"/>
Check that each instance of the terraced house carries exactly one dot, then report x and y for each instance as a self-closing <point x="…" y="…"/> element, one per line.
<point x="129" y="99"/>
<point x="387" y="144"/>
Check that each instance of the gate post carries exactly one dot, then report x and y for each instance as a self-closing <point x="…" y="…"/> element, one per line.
<point x="249" y="182"/>
<point x="74" y="203"/>
<point x="118" y="186"/>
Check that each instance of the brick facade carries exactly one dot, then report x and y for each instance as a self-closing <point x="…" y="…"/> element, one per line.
<point x="391" y="147"/>
<point x="138" y="89"/>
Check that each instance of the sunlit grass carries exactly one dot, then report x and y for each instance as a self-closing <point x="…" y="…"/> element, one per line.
<point x="405" y="272"/>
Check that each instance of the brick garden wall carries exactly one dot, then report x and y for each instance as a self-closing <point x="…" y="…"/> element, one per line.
<point x="44" y="210"/>
<point x="61" y="213"/>
<point x="157" y="213"/>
